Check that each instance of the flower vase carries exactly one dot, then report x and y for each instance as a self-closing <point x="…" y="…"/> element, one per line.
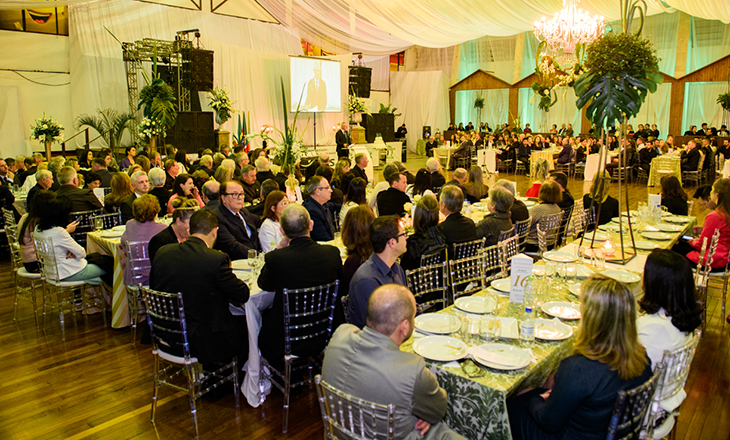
<point x="357" y="118"/>
<point x="153" y="145"/>
<point x="48" y="150"/>
<point x="291" y="185"/>
<point x="220" y="121"/>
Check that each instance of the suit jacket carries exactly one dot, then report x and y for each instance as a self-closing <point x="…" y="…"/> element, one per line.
<point x="81" y="199"/>
<point x="280" y="178"/>
<point x="169" y="183"/>
<point x="126" y="208"/>
<point x="359" y="172"/>
<point x="457" y="184"/>
<point x="106" y="177"/>
<point x="20" y="178"/>
<point x="163" y="195"/>
<point x="458" y="229"/>
<point x="232" y="236"/>
<point x="356" y="360"/>
<point x="261" y="176"/>
<point x="391" y="201"/>
<point x="167" y="236"/>
<point x="207" y="290"/>
<point x="492" y="225"/>
<point x="316" y="96"/>
<point x="322" y="218"/>
<point x="251" y="192"/>
<point x="437" y="180"/>
<point x="306" y="264"/>
<point x="691" y="158"/>
<point x="519" y="211"/>
<point x="342" y="139"/>
<point x="564" y="156"/>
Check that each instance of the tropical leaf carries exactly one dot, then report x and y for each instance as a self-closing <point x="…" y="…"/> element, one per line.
<point x="611" y="99"/>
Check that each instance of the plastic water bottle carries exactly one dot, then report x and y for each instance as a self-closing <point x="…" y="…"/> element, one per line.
<point x="467" y="207"/>
<point x="527" y="325"/>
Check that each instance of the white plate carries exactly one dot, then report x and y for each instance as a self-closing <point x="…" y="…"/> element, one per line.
<point x="613" y="227"/>
<point x="669" y="228"/>
<point x="677" y="219"/>
<point x="583" y="272"/>
<point x="503" y="285"/>
<point x="110" y="233"/>
<point x="645" y="245"/>
<point x="538" y="271"/>
<point x="600" y="236"/>
<point x="440" y="348"/>
<point x="549" y="330"/>
<point x="438" y="323"/>
<point x="559" y="257"/>
<point x="562" y="309"/>
<point x="657" y="235"/>
<point x="121" y="228"/>
<point x="529" y="203"/>
<point x="625" y="219"/>
<point x="240" y="265"/>
<point x="501" y="356"/>
<point x="496" y="292"/>
<point x="475" y="304"/>
<point x="622" y="276"/>
<point x="575" y="289"/>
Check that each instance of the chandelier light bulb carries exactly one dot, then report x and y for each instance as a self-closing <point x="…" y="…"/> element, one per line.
<point x="569" y="26"/>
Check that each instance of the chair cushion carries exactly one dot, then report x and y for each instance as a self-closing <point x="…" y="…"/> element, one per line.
<point x="25" y="274"/>
<point x="172" y="358"/>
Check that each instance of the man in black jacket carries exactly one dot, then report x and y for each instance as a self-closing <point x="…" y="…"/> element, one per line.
<point x="237" y="227"/>
<point x="392" y="200"/>
<point x="208" y="285"/>
<point x="456" y="228"/>
<point x="437" y="179"/>
<point x="320" y="193"/>
<point x="141" y="186"/>
<point x="81" y="199"/>
<point x="342" y="138"/>
<point x="300" y="263"/>
<point x="690" y="157"/>
<point x="361" y="162"/>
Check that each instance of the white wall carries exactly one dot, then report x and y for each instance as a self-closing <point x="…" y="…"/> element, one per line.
<point x="23" y="101"/>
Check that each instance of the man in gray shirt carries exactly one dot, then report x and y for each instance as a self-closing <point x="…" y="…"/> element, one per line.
<point x="368" y="364"/>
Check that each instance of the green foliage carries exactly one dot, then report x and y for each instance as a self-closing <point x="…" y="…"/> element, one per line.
<point x="157" y="98"/>
<point x="628" y="10"/>
<point x="724" y="98"/>
<point x="222" y="104"/>
<point x="388" y="109"/>
<point x="479" y="103"/>
<point x="109" y="123"/>
<point x="616" y="53"/>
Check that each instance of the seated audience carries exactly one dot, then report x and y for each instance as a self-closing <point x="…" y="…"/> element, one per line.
<point x="561" y="179"/>
<point x="270" y="232"/>
<point x="316" y="204"/>
<point x="607" y="358"/>
<point x="389" y="242"/>
<point x="361" y="163"/>
<point x="26" y="227"/>
<point x="599" y="196"/>
<point x="548" y="200"/>
<point x="356" y="195"/>
<point x="460" y="177"/>
<point x="81" y="199"/>
<point x="141" y="185"/>
<point x="456" y="228"/>
<point x="475" y="187"/>
<point x="121" y="188"/>
<point x="178" y="231"/>
<point x="184" y="187"/>
<point x="214" y="334"/>
<point x="673" y="195"/>
<point x="519" y="211"/>
<point x="299" y="263"/>
<point x="437" y="179"/>
<point x="142" y="227"/>
<point x="421" y="185"/>
<point x="71" y="260"/>
<point x="427" y="238"/>
<point x="541" y="173"/>
<point x="92" y="181"/>
<point x="392" y="200"/>
<point x="498" y="220"/>
<point x="237" y="232"/>
<point x="356" y="360"/>
<point x="383" y="185"/>
<point x="356" y="239"/>
<point x="210" y="194"/>
<point x="267" y="186"/>
<point x="157" y="183"/>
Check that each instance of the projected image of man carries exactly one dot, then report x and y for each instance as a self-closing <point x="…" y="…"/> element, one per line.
<point x="316" y="91"/>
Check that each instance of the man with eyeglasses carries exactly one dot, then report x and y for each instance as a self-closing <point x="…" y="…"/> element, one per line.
<point x="389" y="242"/>
<point x="237" y="227"/>
<point x="320" y="192"/>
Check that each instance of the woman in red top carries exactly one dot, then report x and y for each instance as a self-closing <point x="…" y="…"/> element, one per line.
<point x="717" y="219"/>
<point x="541" y="172"/>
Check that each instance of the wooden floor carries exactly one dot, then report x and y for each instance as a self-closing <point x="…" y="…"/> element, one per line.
<point x="90" y="382"/>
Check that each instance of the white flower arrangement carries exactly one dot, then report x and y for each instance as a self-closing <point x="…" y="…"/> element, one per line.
<point x="356" y="104"/>
<point x="46" y="130"/>
<point x="149" y="127"/>
<point x="222" y="104"/>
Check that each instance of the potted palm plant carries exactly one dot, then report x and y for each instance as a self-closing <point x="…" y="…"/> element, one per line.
<point x="479" y="105"/>
<point x="110" y="124"/>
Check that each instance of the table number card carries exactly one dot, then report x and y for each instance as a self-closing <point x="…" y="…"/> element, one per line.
<point x="521" y="272"/>
<point x="654" y="201"/>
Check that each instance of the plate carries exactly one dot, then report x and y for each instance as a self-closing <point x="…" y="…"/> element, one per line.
<point x="613" y="227"/>
<point x="538" y="271"/>
<point x="439" y="323"/>
<point x="574" y="289"/>
<point x="657" y="235"/>
<point x="121" y="228"/>
<point x="503" y="285"/>
<point x="440" y="348"/>
<point x="475" y="304"/>
<point x="529" y="203"/>
<point x="669" y="228"/>
<point x="549" y="330"/>
<point x="677" y="219"/>
<point x="562" y="309"/>
<point x="616" y="219"/>
<point x="501" y="356"/>
<point x="496" y="292"/>
<point x="600" y="236"/>
<point x="622" y="276"/>
<point x="583" y="272"/>
<point x="240" y="265"/>
<point x="645" y="245"/>
<point x="110" y="233"/>
<point x="559" y="257"/>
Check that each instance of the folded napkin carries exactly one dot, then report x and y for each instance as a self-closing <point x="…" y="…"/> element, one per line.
<point x="494" y="357"/>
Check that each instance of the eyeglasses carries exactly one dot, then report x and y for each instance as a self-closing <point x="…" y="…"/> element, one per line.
<point x="234" y="195"/>
<point x="324" y="187"/>
<point x="404" y="234"/>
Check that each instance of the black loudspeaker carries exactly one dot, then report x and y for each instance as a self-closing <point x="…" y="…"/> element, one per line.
<point x="192" y="132"/>
<point x="360" y="81"/>
<point x="426" y="131"/>
<point x="169" y="75"/>
<point x="383" y="123"/>
<point x="197" y="74"/>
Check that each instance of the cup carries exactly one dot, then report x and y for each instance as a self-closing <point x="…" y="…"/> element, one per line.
<point x="98" y="224"/>
<point x="252" y="254"/>
<point x="489" y="328"/>
<point x="600" y="259"/>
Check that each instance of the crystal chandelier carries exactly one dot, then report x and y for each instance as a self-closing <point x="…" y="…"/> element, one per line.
<point x="568" y="27"/>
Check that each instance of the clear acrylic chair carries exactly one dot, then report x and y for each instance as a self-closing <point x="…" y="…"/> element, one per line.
<point x="27" y="284"/>
<point x="429" y="285"/>
<point x="138" y="259"/>
<point x="564" y="225"/>
<point x="467" y="249"/>
<point x="435" y="257"/>
<point x="508" y="249"/>
<point x="492" y="262"/>
<point x="347" y="417"/>
<point x="671" y="382"/>
<point x="522" y="230"/>
<point x="631" y="407"/>
<point x="506" y="234"/>
<point x="702" y="272"/>
<point x="466" y="276"/>
<point x="108" y="220"/>
<point x="86" y="224"/>
<point x="308" y="315"/>
<point x="345" y="304"/>
<point x="174" y="365"/>
<point x="63" y="291"/>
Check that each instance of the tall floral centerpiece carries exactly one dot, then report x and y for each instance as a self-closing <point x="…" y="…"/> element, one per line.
<point x="356" y="107"/>
<point x="157" y="99"/>
<point x="48" y="131"/>
<point x="222" y="104"/>
<point x="149" y="130"/>
<point x="724" y="100"/>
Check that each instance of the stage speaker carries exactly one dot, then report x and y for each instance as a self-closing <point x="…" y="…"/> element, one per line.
<point x="360" y="81"/>
<point x="192" y="132"/>
<point x="426" y="131"/>
<point x="197" y="74"/>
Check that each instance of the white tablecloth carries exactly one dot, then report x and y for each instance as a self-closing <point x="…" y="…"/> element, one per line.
<point x="592" y="165"/>
<point x="726" y="170"/>
<point x="487" y="158"/>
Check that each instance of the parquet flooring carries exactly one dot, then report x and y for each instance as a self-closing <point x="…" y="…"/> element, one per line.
<point x="90" y="382"/>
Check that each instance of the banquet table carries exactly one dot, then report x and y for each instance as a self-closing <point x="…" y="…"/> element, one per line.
<point x="548" y="155"/>
<point x="441" y="153"/>
<point x="477" y="407"/>
<point x="661" y="166"/>
<point x="111" y="245"/>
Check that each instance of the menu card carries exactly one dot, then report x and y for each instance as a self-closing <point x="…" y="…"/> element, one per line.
<point x="654" y="201"/>
<point x="519" y="277"/>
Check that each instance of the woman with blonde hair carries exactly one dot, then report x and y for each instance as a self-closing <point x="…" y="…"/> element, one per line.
<point x="224" y="173"/>
<point x="541" y="171"/>
<point x="144" y="162"/>
<point x="599" y="195"/>
<point x="607" y="358"/>
<point x="475" y="187"/>
<point x="121" y="188"/>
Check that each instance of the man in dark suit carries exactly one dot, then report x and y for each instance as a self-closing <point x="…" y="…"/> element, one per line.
<point x="211" y="194"/>
<point x="342" y="138"/>
<point x="392" y="200"/>
<point x="702" y="132"/>
<point x="141" y="185"/>
<point x="300" y="262"/>
<point x="81" y="199"/>
<point x="361" y="162"/>
<point x="4" y="178"/>
<point x="316" y="91"/>
<point x="460" y="178"/>
<point x="31" y="167"/>
<point x="456" y="228"/>
<point x="251" y="186"/>
<point x="44" y="179"/>
<point x="263" y="169"/>
<point x="320" y="193"/>
<point x="237" y="227"/>
<point x="214" y="334"/>
<point x="99" y="167"/>
<point x="437" y="179"/>
<point x="463" y="152"/>
<point x="177" y="232"/>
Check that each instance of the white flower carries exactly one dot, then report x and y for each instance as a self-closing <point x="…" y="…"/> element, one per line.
<point x="42" y="137"/>
<point x="44" y="126"/>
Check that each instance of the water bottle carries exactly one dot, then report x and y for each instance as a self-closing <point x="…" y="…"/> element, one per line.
<point x="527" y="325"/>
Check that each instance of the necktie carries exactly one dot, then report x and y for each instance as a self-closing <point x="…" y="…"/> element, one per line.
<point x="245" y="226"/>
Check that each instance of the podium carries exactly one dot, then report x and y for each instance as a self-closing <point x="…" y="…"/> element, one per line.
<point x="358" y="135"/>
<point x="222" y="139"/>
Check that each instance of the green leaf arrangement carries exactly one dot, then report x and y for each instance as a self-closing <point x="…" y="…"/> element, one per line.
<point x="109" y="123"/>
<point x="157" y="98"/>
<point x="388" y="109"/>
<point x="479" y="102"/>
<point x="724" y="98"/>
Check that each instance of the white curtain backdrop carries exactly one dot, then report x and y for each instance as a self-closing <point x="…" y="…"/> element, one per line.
<point x="495" y="111"/>
<point x="380" y="79"/>
<point x="656" y="110"/>
<point x="495" y="55"/>
<point x="700" y="104"/>
<point x="563" y="112"/>
<point x="418" y="58"/>
<point x="423" y="99"/>
<point x="11" y="122"/>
